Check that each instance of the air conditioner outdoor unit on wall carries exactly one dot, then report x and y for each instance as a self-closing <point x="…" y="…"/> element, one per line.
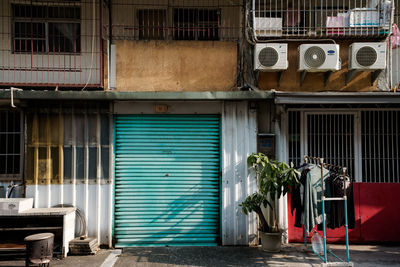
<point x="367" y="56"/>
<point x="319" y="57"/>
<point x="270" y="57"/>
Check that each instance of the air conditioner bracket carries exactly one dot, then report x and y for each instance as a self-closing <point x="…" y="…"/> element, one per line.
<point x="374" y="76"/>
<point x="280" y="73"/>
<point x="303" y="75"/>
<point x="327" y="75"/>
<point x="350" y="75"/>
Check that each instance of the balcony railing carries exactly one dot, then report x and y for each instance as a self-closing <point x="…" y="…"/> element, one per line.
<point x="321" y="18"/>
<point x="189" y="20"/>
<point x="50" y="43"/>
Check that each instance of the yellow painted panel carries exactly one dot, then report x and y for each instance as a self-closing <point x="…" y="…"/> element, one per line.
<point x="175" y="65"/>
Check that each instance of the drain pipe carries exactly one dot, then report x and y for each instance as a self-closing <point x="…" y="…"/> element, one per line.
<point x="12" y="89"/>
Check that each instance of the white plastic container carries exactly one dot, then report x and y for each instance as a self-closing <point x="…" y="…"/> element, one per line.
<point x="364" y="17"/>
<point x="267" y="26"/>
<point x="11" y="206"/>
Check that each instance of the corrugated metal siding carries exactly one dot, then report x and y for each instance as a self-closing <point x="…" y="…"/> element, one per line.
<point x="239" y="139"/>
<point x="167" y="180"/>
<point x="91" y="199"/>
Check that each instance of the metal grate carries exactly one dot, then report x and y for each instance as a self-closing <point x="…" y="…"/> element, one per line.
<point x="10" y="145"/>
<point x="380" y="146"/>
<point x="195" y="20"/>
<point x="51" y="43"/>
<point x="365" y="141"/>
<point x="268" y="56"/>
<point x="312" y="18"/>
<point x="326" y="135"/>
<point x="331" y="136"/>
<point x="314" y="57"/>
<point x="366" y="56"/>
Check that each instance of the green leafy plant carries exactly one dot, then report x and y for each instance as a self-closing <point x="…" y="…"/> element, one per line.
<point x="274" y="180"/>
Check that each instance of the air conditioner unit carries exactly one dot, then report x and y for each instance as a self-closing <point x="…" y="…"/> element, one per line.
<point x="367" y="56"/>
<point x="270" y="57"/>
<point x="319" y="57"/>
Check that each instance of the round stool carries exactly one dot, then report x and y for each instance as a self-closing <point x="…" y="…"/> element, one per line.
<point x="39" y="249"/>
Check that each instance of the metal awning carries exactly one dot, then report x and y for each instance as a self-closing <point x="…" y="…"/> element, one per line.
<point x="289" y="98"/>
<point x="115" y="95"/>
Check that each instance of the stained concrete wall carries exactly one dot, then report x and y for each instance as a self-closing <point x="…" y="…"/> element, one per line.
<point x="314" y="82"/>
<point x="175" y="65"/>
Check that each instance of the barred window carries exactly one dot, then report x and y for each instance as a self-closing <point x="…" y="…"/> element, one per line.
<point x="370" y="151"/>
<point x="380" y="132"/>
<point x="41" y="29"/>
<point x="10" y="145"/>
<point x="325" y="135"/>
<point x="152" y="24"/>
<point x="196" y="24"/>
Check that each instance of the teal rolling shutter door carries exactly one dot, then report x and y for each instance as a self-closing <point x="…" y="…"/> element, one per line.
<point x="167" y="180"/>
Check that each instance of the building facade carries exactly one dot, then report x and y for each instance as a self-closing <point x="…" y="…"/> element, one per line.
<point x="142" y="114"/>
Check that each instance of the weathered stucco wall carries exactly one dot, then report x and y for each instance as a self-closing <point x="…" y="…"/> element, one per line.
<point x="314" y="82"/>
<point x="175" y="66"/>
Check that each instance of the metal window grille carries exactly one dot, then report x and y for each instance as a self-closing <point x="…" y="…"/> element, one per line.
<point x="51" y="43"/>
<point x="68" y="144"/>
<point x="313" y="18"/>
<point x="175" y="20"/>
<point x="40" y="29"/>
<point x="365" y="141"/>
<point x="331" y="136"/>
<point x="10" y="145"/>
<point x="380" y="132"/>
<point x="326" y="135"/>
<point x="196" y="24"/>
<point x="151" y="24"/>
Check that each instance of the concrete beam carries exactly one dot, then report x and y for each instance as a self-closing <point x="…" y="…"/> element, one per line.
<point x="114" y="95"/>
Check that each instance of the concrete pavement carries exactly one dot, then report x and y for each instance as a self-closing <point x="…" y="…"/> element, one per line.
<point x="291" y="256"/>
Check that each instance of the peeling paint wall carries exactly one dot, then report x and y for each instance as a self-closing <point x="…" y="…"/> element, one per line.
<point x="314" y="82"/>
<point x="175" y="65"/>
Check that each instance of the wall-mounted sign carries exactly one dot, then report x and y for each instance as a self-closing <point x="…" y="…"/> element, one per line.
<point x="266" y="144"/>
<point x="160" y="108"/>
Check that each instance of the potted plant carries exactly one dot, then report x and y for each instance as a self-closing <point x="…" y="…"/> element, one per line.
<point x="274" y="180"/>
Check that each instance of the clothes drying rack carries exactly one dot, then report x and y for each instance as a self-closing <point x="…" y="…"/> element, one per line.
<point x="320" y="161"/>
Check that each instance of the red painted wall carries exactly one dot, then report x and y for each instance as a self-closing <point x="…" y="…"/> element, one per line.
<point x="377" y="210"/>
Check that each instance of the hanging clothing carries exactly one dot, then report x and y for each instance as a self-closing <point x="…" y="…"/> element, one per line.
<point x="306" y="198"/>
<point x="313" y="193"/>
<point x="292" y="17"/>
<point x="337" y="214"/>
<point x="297" y="197"/>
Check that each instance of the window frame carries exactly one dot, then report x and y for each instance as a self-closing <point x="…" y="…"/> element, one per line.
<point x="164" y="30"/>
<point x="358" y="134"/>
<point x="46" y="20"/>
<point x="356" y="140"/>
<point x="196" y="23"/>
<point x="17" y="176"/>
<point x="73" y="121"/>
